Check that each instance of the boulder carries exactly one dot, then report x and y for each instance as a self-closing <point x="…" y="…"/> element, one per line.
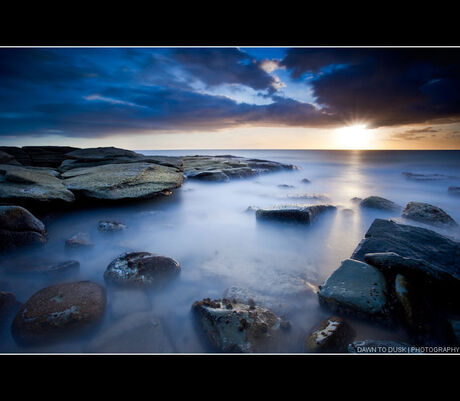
<point x="454" y="190"/>
<point x="19" y="227"/>
<point x="32" y="186"/>
<point x="141" y="269"/>
<point x="122" y="181"/>
<point x="429" y="214"/>
<point x="332" y="335"/>
<point x="57" y="311"/>
<point x="381" y="347"/>
<point x="356" y="288"/>
<point x="376" y="202"/>
<point x="110" y="226"/>
<point x="236" y="327"/>
<point x="295" y="214"/>
<point x="79" y="240"/>
<point x="139" y="332"/>
<point x="253" y="297"/>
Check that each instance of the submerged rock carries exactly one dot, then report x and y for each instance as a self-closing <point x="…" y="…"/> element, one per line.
<point x="332" y="335"/>
<point x="141" y="269"/>
<point x="356" y="288"/>
<point x="236" y="327"/>
<point x="296" y="214"/>
<point x="428" y="214"/>
<point x="80" y="240"/>
<point x="19" y="227"/>
<point x="59" y="310"/>
<point x="425" y="177"/>
<point x="110" y="225"/>
<point x="381" y="347"/>
<point x="139" y="332"/>
<point x="122" y="181"/>
<point x="32" y="185"/>
<point x="376" y="202"/>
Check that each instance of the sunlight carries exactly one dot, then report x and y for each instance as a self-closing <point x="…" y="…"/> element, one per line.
<point x="354" y="137"/>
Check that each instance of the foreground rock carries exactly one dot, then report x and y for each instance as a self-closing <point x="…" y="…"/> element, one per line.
<point x="295" y="214"/>
<point x="381" y="347"/>
<point x="236" y="327"/>
<point x="141" y="269"/>
<point x="376" y="202"/>
<point x="122" y="181"/>
<point x="224" y="168"/>
<point x="429" y="214"/>
<point x="79" y="240"/>
<point x="32" y="186"/>
<point x="332" y="335"/>
<point x="139" y="332"/>
<point x="358" y="289"/>
<point x="110" y="226"/>
<point x="57" y="311"/>
<point x="19" y="227"/>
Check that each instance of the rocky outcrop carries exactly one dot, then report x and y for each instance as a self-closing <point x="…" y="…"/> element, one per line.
<point x="124" y="181"/>
<point x="32" y="186"/>
<point x="6" y="158"/>
<point x="19" y="227"/>
<point x="428" y="214"/>
<point x="356" y="288"/>
<point x="332" y="335"/>
<point x="381" y="347"/>
<point x="139" y="332"/>
<point x="293" y="213"/>
<point x="57" y="311"/>
<point x="236" y="327"/>
<point x="110" y="226"/>
<point x="141" y="269"/>
<point x="376" y="202"/>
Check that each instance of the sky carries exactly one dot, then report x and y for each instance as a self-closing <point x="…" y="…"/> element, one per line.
<point x="231" y="98"/>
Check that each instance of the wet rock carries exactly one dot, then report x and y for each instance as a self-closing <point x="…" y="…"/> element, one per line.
<point x="110" y="225"/>
<point x="122" y="181"/>
<point x="296" y="214"/>
<point x="32" y="186"/>
<point x="428" y="214"/>
<point x="79" y="240"/>
<point x="51" y="268"/>
<point x="381" y="347"/>
<point x="127" y="302"/>
<point x="141" y="269"/>
<point x="425" y="177"/>
<point x="139" y="332"/>
<point x="19" y="227"/>
<point x="215" y="176"/>
<point x="454" y="190"/>
<point x="58" y="311"/>
<point x="376" y="202"/>
<point x="306" y="181"/>
<point x="356" y="288"/>
<point x="236" y="327"/>
<point x="332" y="335"/>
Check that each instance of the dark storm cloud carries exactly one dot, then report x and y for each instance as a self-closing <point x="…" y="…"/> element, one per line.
<point x="383" y="87"/>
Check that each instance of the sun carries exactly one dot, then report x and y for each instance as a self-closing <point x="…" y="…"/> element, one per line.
<point x="353" y="137"/>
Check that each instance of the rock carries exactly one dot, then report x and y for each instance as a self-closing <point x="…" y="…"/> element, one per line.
<point x="286" y="186"/>
<point x="247" y="296"/>
<point x="381" y="347"/>
<point x="141" y="269"/>
<point x="68" y="266"/>
<point x="376" y="202"/>
<point x="454" y="190"/>
<point x="215" y="176"/>
<point x="411" y="242"/>
<point x="57" y="311"/>
<point x="332" y="335"/>
<point x="425" y="177"/>
<point x="122" y="181"/>
<point x="101" y="154"/>
<point x="79" y="240"/>
<point x="306" y="181"/>
<point x="139" y="332"/>
<point x="32" y="185"/>
<point x="252" y="209"/>
<point x="19" y="154"/>
<point x="320" y="197"/>
<point x="428" y="214"/>
<point x="127" y="302"/>
<point x="296" y="214"/>
<point x="356" y="199"/>
<point x="236" y="327"/>
<point x="19" y="227"/>
<point x="6" y="158"/>
<point x="47" y="156"/>
<point x="108" y="226"/>
<point x="356" y="288"/>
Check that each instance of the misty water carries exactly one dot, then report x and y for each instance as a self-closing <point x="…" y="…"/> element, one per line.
<point x="205" y="226"/>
